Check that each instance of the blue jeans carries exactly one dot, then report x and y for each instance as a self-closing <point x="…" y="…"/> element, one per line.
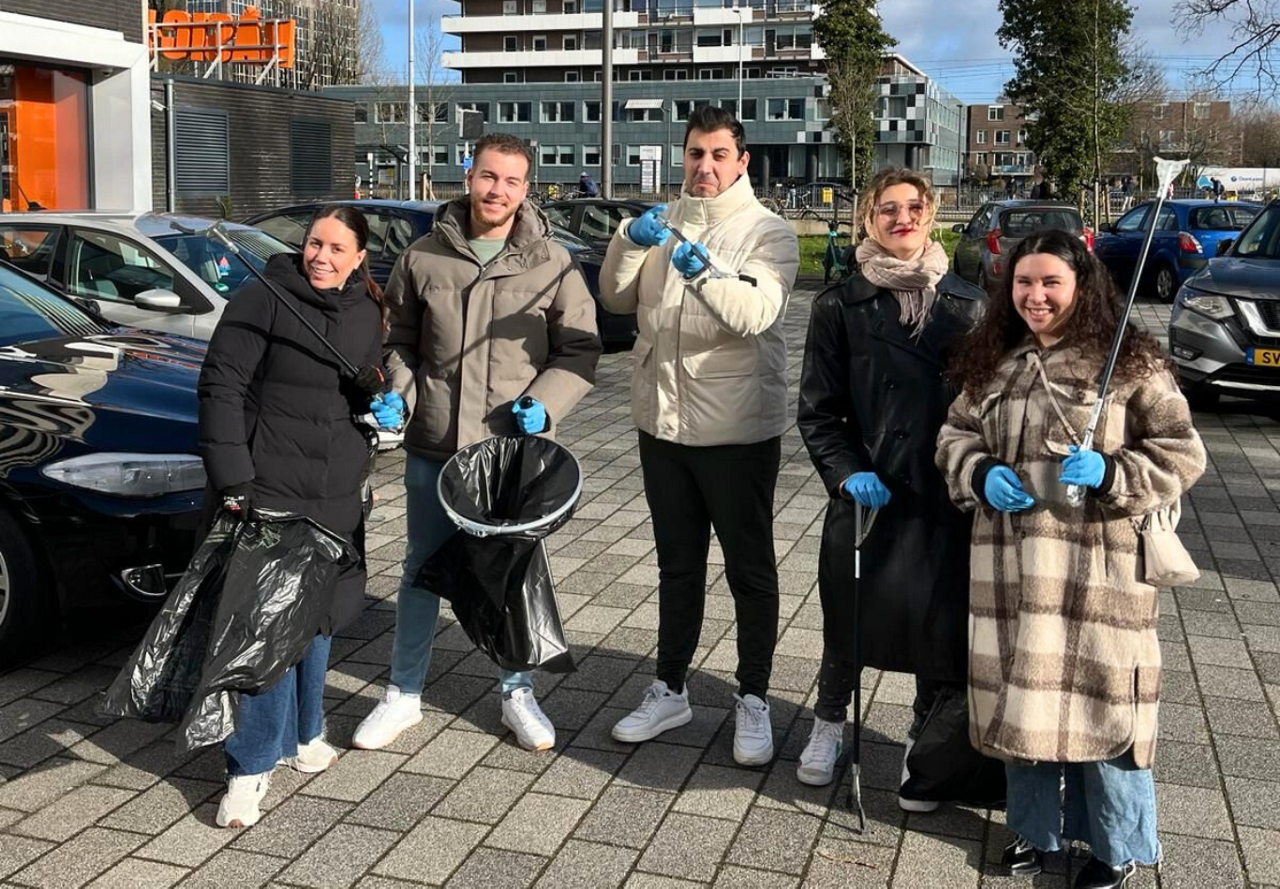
<point x="271" y="724"/>
<point x="417" y="608"/>
<point x="1109" y="805"/>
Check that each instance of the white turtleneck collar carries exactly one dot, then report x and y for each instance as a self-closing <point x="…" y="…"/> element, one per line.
<point x="706" y="212"/>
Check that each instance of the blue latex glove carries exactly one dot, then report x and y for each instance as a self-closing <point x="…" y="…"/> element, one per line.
<point x="867" y="489"/>
<point x="531" y="419"/>
<point x="686" y="261"/>
<point x="646" y="231"/>
<point x="1085" y="468"/>
<point x="388" y="410"/>
<point x="1003" y="491"/>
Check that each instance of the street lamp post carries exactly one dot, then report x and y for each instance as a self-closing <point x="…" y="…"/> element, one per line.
<point x="741" y="31"/>
<point x="413" y="115"/>
<point x="606" y="102"/>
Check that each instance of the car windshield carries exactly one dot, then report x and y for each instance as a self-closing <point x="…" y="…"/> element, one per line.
<point x="1262" y="239"/>
<point x="1022" y="222"/>
<point x="218" y="267"/>
<point x="1221" y="218"/>
<point x="30" y="312"/>
<point x="568" y="238"/>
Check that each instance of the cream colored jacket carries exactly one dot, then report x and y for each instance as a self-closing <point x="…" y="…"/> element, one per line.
<point x="709" y="366"/>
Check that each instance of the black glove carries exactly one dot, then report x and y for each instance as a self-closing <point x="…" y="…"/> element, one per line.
<point x="370" y="380"/>
<point x="238" y="500"/>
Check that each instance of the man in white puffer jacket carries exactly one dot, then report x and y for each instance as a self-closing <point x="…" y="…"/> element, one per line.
<point x="709" y="395"/>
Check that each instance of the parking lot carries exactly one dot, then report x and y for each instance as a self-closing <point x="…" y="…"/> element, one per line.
<point x="88" y="801"/>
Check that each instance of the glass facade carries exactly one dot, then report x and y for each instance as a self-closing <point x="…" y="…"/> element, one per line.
<point x="44" y="137"/>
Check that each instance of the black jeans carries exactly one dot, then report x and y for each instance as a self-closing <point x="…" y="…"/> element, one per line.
<point x="836" y="679"/>
<point x="690" y="490"/>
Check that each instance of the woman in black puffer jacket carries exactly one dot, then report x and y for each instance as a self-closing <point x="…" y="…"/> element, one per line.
<point x="279" y="430"/>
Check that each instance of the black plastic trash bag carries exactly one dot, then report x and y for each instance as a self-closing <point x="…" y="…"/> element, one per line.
<point x="245" y="611"/>
<point x="943" y="765"/>
<point x="506" y="494"/>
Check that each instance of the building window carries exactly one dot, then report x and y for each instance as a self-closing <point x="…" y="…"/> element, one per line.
<point x="1159" y="111"/>
<point x="786" y="109"/>
<point x="1200" y="111"/>
<point x="439" y="155"/>
<point x="644" y="115"/>
<point x="539" y="7"/>
<point x="539" y="42"/>
<point x="677" y="155"/>
<point x="1168" y="138"/>
<point x="570" y="42"/>
<point x="980" y="157"/>
<point x="995" y="112"/>
<point x="638" y="74"/>
<point x="510" y="7"/>
<point x="591" y="155"/>
<point x="511" y="76"/>
<point x="675" y="74"/>
<point x="425" y="114"/>
<point x="510" y="43"/>
<point x="514" y="112"/>
<point x="572" y="76"/>
<point x="980" y="137"/>
<point x="362" y="114"/>
<point x="389" y="112"/>
<point x="893" y="107"/>
<point x="557" y="112"/>
<point x="459" y="152"/>
<point x="482" y="107"/>
<point x="1002" y="137"/>
<point x="570" y="7"/>
<point x="822" y="109"/>
<point x="556" y="155"/>
<point x="1022" y="136"/>
<point x="591" y="112"/>
<point x="633" y="155"/>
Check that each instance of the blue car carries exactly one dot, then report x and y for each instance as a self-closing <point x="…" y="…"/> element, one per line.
<point x="1187" y="236"/>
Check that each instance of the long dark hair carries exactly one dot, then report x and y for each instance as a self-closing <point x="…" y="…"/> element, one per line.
<point x="354" y="220"/>
<point x="1089" y="327"/>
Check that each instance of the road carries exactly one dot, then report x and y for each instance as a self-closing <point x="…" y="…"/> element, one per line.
<point x="88" y="801"/>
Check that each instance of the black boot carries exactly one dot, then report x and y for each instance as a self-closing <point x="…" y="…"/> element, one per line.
<point x="1099" y="875"/>
<point x="1022" y="859"/>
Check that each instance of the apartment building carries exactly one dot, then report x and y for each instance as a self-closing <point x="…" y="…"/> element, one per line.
<point x="919" y="124"/>
<point x="996" y="144"/>
<point x="1201" y="129"/>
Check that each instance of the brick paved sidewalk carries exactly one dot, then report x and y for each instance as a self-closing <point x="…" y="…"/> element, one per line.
<point x="87" y="801"/>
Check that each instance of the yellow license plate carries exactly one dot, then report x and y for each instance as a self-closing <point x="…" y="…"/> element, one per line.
<point x="1265" y="357"/>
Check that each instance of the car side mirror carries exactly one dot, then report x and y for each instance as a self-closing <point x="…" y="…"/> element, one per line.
<point x="1224" y="246"/>
<point x="958" y="228"/>
<point x="1108" y="227"/>
<point x="158" y="299"/>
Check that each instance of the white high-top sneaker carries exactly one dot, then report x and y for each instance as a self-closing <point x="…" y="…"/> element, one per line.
<point x="818" y="761"/>
<point x="395" y="713"/>
<point x="239" y="808"/>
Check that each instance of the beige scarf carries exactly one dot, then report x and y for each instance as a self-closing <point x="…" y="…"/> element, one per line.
<point x="913" y="282"/>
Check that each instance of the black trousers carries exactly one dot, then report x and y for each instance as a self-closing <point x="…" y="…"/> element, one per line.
<point x="728" y="487"/>
<point x="837" y="677"/>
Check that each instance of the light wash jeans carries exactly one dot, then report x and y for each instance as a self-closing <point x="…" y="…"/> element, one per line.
<point x="271" y="724"/>
<point x="417" y="608"/>
<point x="1109" y="805"/>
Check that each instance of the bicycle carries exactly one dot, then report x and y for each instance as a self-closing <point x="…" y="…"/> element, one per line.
<point x="835" y="258"/>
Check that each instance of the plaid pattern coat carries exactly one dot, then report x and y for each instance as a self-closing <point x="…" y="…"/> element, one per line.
<point x="1064" y="662"/>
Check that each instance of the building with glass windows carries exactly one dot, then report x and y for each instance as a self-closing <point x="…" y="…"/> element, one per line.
<point x="919" y="124"/>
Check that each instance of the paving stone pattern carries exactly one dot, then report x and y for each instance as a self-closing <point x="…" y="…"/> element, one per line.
<point x="86" y="801"/>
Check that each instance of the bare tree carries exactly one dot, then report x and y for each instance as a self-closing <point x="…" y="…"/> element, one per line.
<point x="1255" y="31"/>
<point x="1259" y="125"/>
<point x="436" y="86"/>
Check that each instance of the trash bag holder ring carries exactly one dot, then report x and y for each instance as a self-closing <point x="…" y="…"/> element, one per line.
<point x="480" y="529"/>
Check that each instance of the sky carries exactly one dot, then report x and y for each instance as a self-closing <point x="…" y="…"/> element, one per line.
<point x="964" y="57"/>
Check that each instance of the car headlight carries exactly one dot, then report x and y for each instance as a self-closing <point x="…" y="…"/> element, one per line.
<point x="130" y="475"/>
<point x="1215" y="307"/>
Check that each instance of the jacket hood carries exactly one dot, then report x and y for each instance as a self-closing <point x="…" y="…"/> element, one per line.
<point x="285" y="271"/>
<point x="529" y="234"/>
<point x="708" y="211"/>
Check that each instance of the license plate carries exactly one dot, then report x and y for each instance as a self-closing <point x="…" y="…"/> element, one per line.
<point x="1265" y="357"/>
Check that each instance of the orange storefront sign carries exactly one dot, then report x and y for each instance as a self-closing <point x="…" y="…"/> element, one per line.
<point x="250" y="40"/>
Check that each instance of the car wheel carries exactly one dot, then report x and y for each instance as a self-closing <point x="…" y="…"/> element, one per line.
<point x="23" y="613"/>
<point x="1164" y="283"/>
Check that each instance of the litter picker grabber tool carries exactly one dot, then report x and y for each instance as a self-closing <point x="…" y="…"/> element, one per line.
<point x="861" y="528"/>
<point x="694" y="246"/>
<point x="363" y="377"/>
<point x="1166" y="172"/>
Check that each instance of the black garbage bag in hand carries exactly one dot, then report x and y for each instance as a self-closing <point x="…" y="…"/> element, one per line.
<point x="506" y="494"/>
<point x="943" y="765"/>
<point x="245" y="611"/>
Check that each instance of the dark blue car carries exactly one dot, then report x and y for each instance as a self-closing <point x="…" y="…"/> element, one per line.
<point x="1187" y="235"/>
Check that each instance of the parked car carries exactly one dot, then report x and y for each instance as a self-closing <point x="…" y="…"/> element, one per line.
<point x="1187" y="235"/>
<point x="142" y="271"/>
<point x="101" y="485"/>
<point x="1224" y="331"/>
<point x="394" y="225"/>
<point x="989" y="237"/>
<point x="594" y="219"/>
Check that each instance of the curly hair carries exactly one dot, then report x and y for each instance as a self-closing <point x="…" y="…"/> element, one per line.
<point x="887" y="178"/>
<point x="1090" y="325"/>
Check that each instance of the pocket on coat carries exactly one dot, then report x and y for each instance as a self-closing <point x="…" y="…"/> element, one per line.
<point x="719" y="363"/>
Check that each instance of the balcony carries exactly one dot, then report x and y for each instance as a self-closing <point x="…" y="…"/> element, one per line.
<point x="506" y="24"/>
<point x="529" y="59"/>
<point x="710" y="55"/>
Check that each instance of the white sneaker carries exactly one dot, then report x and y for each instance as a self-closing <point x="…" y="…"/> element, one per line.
<point x="395" y="713"/>
<point x="660" y="709"/>
<point x="521" y="714"/>
<point x="314" y="756"/>
<point x="913" y="805"/>
<point x="753" y="734"/>
<point x="818" y="761"/>
<point x="239" y="808"/>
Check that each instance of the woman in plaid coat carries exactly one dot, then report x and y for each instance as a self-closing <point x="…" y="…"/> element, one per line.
<point x="1064" y="662"/>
